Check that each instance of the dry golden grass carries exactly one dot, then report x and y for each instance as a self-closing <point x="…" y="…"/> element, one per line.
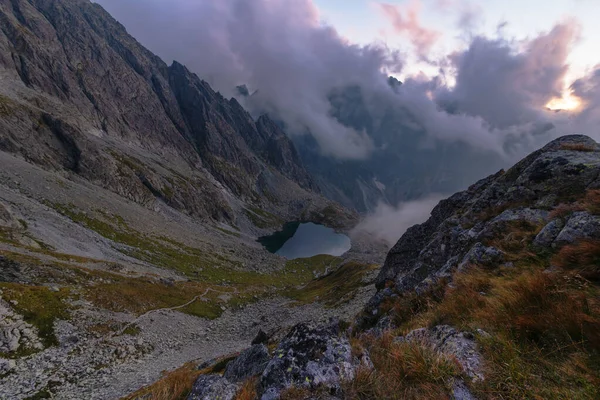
<point x="563" y="210"/>
<point x="296" y="393"/>
<point x="577" y="147"/>
<point x="403" y="371"/>
<point x="592" y="201"/>
<point x="248" y="390"/>
<point x="544" y="326"/>
<point x="175" y="385"/>
<point x="583" y="257"/>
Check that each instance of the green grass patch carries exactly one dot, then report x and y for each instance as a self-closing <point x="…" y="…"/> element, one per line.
<point x="262" y="219"/>
<point x="336" y="287"/>
<point x="39" y="306"/>
<point x="228" y="232"/>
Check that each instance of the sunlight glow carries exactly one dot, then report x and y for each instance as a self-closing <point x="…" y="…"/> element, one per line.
<point x="568" y="102"/>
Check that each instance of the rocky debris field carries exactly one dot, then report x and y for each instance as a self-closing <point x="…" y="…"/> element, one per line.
<point x="85" y="312"/>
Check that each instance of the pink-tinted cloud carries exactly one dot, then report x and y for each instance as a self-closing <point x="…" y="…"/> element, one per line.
<point x="405" y="21"/>
<point x="509" y="83"/>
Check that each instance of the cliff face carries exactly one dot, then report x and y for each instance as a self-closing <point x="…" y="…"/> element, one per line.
<point x="561" y="172"/>
<point x="80" y="94"/>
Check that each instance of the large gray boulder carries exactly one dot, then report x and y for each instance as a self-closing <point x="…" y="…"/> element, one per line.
<point x="212" y="387"/>
<point x="308" y="357"/>
<point x="250" y="363"/>
<point x="548" y="234"/>
<point x="581" y="225"/>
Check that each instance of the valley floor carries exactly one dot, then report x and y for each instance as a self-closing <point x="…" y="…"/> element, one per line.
<point x="101" y="295"/>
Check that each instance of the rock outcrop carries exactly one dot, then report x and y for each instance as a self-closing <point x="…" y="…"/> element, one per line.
<point x="523" y="194"/>
<point x="15" y="333"/>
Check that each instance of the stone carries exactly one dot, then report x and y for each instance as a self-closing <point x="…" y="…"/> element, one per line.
<point x="261" y="338"/>
<point x="250" y="363"/>
<point x="548" y="234"/>
<point x="308" y="357"/>
<point x="212" y="387"/>
<point x="7" y="365"/>
<point x="581" y="225"/>
<point x="482" y="255"/>
<point x="461" y="392"/>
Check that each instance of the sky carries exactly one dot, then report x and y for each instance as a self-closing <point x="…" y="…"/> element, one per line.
<point x="482" y="73"/>
<point x="362" y="21"/>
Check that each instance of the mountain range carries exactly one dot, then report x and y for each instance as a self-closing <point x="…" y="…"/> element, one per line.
<point x="133" y="195"/>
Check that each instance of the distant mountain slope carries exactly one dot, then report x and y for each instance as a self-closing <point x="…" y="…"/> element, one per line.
<point x="79" y="94"/>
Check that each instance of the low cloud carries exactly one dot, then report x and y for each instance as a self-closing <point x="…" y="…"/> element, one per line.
<point x="277" y="47"/>
<point x="389" y="223"/>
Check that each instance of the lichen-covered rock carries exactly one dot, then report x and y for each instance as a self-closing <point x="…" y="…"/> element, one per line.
<point x="308" y="357"/>
<point x="445" y="339"/>
<point x="212" y="387"/>
<point x="461" y="392"/>
<point x="581" y="225"/>
<point x="482" y="255"/>
<point x="250" y="363"/>
<point x="7" y="365"/>
<point x="549" y="233"/>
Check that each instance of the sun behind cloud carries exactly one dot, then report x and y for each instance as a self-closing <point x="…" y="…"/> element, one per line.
<point x="568" y="102"/>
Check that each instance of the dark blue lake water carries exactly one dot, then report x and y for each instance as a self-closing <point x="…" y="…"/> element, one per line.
<point x="303" y="240"/>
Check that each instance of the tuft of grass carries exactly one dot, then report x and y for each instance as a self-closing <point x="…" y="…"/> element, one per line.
<point x="334" y="288"/>
<point x="403" y="371"/>
<point x="582" y="257"/>
<point x="592" y="201"/>
<point x="564" y="210"/>
<point x="577" y="147"/>
<point x="248" y="390"/>
<point x="132" y="330"/>
<point x="174" y="385"/>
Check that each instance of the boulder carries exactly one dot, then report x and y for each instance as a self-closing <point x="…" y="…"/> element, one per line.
<point x="581" y="225"/>
<point x="482" y="255"/>
<point x="212" y="387"/>
<point x="308" y="357"/>
<point x="548" y="234"/>
<point x="250" y="363"/>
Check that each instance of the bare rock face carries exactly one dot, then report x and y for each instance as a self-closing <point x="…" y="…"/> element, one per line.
<point x="523" y="194"/>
